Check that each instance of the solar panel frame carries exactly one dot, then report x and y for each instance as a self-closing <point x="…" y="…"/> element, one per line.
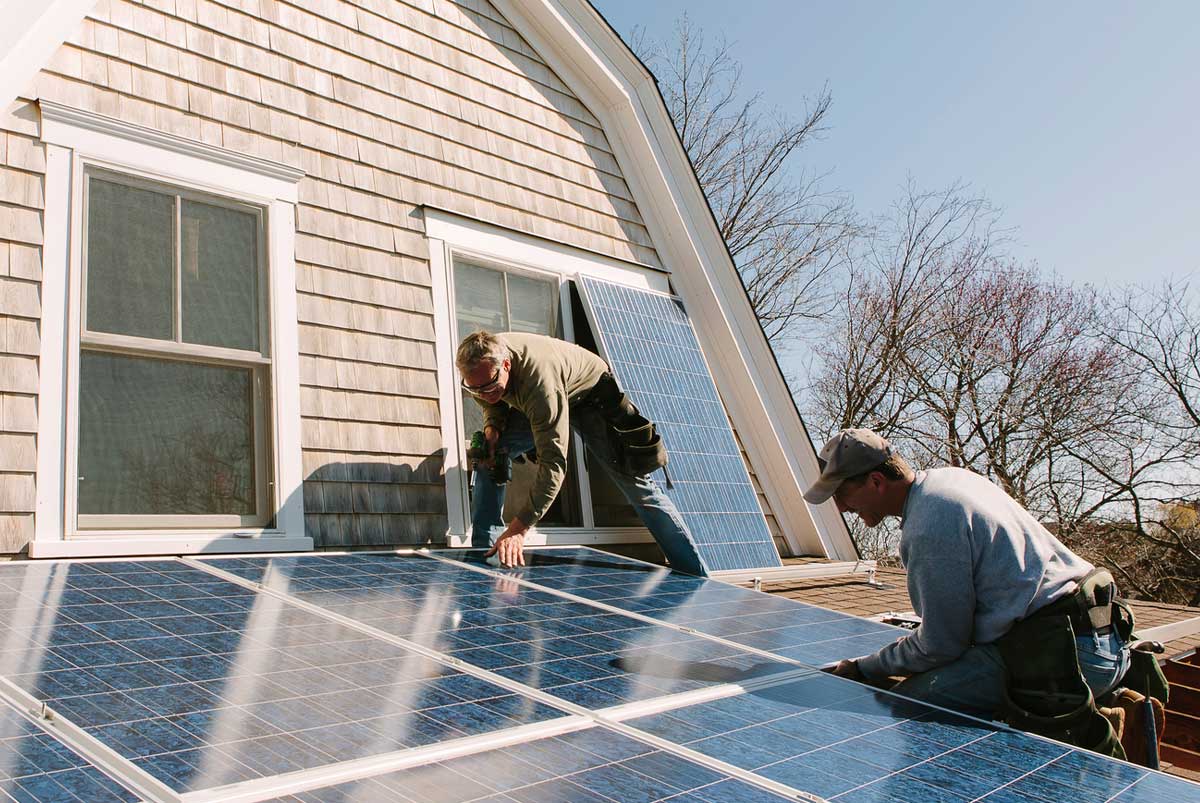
<point x="38" y="766"/>
<point x="578" y="766"/>
<point x="648" y="340"/>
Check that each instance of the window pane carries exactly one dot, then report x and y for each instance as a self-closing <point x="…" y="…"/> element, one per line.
<point x="130" y="261"/>
<point x="160" y="437"/>
<point x="479" y="299"/>
<point x="531" y="303"/>
<point x="219" y="253"/>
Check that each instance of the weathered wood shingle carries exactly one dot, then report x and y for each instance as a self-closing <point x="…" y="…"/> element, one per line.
<point x="387" y="106"/>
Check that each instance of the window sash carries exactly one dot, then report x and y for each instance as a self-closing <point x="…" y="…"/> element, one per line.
<point x="259" y="362"/>
<point x="563" y="321"/>
<point x="180" y="195"/>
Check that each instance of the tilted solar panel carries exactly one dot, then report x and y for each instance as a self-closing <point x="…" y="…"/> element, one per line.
<point x="652" y="349"/>
<point x="805" y="633"/>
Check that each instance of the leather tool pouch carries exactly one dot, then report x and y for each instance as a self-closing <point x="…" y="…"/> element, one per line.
<point x="637" y="447"/>
<point x="1045" y="691"/>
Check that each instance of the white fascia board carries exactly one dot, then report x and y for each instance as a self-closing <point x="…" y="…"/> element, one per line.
<point x="32" y="31"/>
<point x="596" y="64"/>
<point x="204" y="543"/>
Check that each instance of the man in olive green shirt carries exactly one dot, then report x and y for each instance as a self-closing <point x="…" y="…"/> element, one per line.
<point x="534" y="390"/>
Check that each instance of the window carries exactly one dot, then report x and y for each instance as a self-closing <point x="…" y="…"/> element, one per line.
<point x="507" y="301"/>
<point x="494" y="279"/>
<point x="169" y="391"/>
<point x="174" y="361"/>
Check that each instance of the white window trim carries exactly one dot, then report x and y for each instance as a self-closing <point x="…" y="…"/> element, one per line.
<point x="453" y="237"/>
<point x="75" y="139"/>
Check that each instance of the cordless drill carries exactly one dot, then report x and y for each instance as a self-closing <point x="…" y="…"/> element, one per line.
<point x="501" y="462"/>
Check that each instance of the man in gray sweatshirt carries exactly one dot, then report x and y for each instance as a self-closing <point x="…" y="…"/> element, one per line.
<point x="977" y="563"/>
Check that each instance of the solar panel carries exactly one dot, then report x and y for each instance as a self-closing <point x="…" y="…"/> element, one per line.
<point x="846" y="742"/>
<point x="338" y="674"/>
<point x="805" y="633"/>
<point x="571" y="650"/>
<point x="200" y="682"/>
<point x="35" y="766"/>
<point x="652" y="349"/>
<point x="588" y="766"/>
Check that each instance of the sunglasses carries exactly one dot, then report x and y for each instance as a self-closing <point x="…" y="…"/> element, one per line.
<point x="484" y="389"/>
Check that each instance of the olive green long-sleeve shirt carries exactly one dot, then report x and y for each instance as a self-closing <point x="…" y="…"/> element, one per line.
<point x="548" y="376"/>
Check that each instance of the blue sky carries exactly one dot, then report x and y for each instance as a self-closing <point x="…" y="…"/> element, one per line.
<point x="1080" y="120"/>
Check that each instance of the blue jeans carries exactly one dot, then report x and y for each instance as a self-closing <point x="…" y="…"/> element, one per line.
<point x="974" y="683"/>
<point x="653" y="507"/>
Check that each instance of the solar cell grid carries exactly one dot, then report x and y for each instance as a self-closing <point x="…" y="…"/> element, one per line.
<point x="588" y="766"/>
<point x="576" y="652"/>
<point x="805" y="633"/>
<point x="850" y="744"/>
<point x="258" y="687"/>
<point x="649" y="343"/>
<point x="207" y="683"/>
<point x="38" y="768"/>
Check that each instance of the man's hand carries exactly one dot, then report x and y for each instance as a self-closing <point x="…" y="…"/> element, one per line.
<point x="491" y="435"/>
<point x="510" y="546"/>
<point x="847" y="668"/>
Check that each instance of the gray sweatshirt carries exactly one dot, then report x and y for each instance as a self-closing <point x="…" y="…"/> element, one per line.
<point x="977" y="562"/>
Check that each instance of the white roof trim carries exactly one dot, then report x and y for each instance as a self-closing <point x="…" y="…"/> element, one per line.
<point x="31" y="33"/>
<point x="586" y="53"/>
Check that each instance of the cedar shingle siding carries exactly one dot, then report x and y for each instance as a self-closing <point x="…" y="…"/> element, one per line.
<point x="387" y="106"/>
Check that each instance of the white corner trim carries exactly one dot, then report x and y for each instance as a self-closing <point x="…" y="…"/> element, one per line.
<point x="453" y="471"/>
<point x="576" y="42"/>
<point x="32" y="31"/>
<point x="48" y="517"/>
<point x="61" y="123"/>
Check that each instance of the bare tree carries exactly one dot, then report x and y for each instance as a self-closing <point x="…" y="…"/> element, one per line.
<point x="966" y="358"/>
<point x="1154" y="541"/>
<point x="786" y="234"/>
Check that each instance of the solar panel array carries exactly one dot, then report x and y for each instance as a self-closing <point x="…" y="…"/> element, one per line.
<point x="377" y="676"/>
<point x="652" y="349"/>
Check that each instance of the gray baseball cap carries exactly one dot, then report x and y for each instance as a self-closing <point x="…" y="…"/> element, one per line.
<point x="849" y="453"/>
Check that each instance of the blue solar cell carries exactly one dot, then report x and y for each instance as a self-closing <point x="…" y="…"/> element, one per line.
<point x="574" y="651"/>
<point x="35" y="766"/>
<point x="247" y="675"/>
<point x="652" y="349"/>
<point x="844" y="741"/>
<point x="589" y="766"/>
<point x="805" y="633"/>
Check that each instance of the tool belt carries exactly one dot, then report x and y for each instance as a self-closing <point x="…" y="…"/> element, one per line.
<point x="637" y="447"/>
<point x="1045" y="691"/>
<point x="1093" y="607"/>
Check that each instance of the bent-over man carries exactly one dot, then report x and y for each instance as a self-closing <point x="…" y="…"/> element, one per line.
<point x="534" y="390"/>
<point x="992" y="586"/>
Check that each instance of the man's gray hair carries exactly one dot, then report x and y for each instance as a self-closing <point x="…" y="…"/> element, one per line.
<point x="480" y="347"/>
